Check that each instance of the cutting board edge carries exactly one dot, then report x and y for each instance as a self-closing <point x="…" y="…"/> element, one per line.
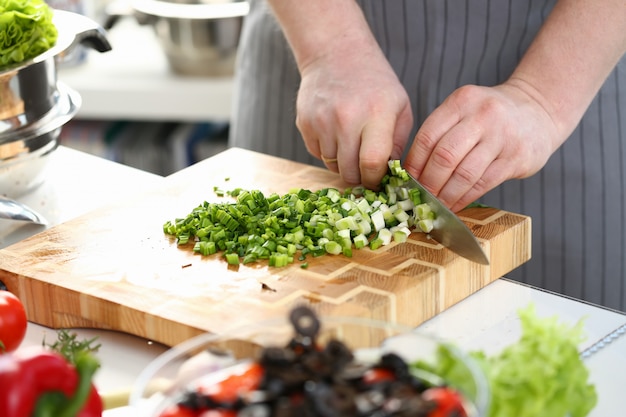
<point x="69" y="314"/>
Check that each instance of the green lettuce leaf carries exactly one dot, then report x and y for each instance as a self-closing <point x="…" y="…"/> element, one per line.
<point x="26" y="30"/>
<point x="542" y="375"/>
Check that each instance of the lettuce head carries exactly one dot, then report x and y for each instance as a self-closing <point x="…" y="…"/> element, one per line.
<point x="26" y="30"/>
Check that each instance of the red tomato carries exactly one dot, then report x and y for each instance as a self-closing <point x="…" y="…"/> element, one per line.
<point x="12" y="321"/>
<point x="180" y="411"/>
<point x="449" y="402"/>
<point x="177" y="411"/>
<point x="376" y="375"/>
<point x="228" y="390"/>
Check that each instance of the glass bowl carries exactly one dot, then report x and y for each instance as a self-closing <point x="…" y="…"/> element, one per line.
<point x="208" y="358"/>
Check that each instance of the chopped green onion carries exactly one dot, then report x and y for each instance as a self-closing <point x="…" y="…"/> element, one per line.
<point x="400" y="236"/>
<point x="333" y="247"/>
<point x="425" y="225"/>
<point x="232" y="259"/>
<point x="423" y="211"/>
<point x="378" y="220"/>
<point x="376" y="243"/>
<point x="414" y="196"/>
<point x="275" y="228"/>
<point x="385" y="236"/>
<point x="360" y="241"/>
<point x="346" y="223"/>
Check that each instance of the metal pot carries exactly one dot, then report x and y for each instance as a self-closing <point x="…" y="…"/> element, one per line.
<point x="198" y="37"/>
<point x="34" y="105"/>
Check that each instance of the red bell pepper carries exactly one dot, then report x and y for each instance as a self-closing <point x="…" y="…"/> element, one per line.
<point x="37" y="382"/>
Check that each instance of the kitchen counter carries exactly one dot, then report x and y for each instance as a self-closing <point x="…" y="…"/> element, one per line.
<point x="76" y="183"/>
<point x="486" y="320"/>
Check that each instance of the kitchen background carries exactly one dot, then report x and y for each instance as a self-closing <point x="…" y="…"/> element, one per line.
<point x="136" y="109"/>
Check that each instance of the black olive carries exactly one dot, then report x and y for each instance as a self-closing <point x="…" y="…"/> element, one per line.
<point x="195" y="401"/>
<point x="320" y="397"/>
<point x="273" y="387"/>
<point x="305" y="322"/>
<point x="274" y="356"/>
<point x="353" y="371"/>
<point x="318" y="364"/>
<point x="395" y="364"/>
<point x="338" y="353"/>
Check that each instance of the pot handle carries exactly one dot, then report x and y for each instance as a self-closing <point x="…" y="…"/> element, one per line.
<point x="116" y="10"/>
<point x="85" y="32"/>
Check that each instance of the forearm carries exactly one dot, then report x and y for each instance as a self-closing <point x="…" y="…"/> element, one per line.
<point x="351" y="109"/>
<point x="574" y="52"/>
<point x="322" y="27"/>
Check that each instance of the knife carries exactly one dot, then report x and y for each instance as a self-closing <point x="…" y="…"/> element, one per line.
<point x="448" y="229"/>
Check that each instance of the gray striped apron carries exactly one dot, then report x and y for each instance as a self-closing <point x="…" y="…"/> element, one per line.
<point x="577" y="202"/>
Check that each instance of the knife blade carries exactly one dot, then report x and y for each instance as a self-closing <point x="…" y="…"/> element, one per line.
<point x="448" y="229"/>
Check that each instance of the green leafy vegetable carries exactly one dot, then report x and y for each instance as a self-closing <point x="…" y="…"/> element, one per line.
<point x="542" y="375"/>
<point x="452" y="369"/>
<point x="26" y="30"/>
<point x="70" y="347"/>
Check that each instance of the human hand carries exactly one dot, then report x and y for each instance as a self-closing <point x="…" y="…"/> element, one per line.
<point x="480" y="137"/>
<point x="353" y="113"/>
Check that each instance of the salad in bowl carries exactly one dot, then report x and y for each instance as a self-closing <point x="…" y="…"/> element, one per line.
<point x="303" y="365"/>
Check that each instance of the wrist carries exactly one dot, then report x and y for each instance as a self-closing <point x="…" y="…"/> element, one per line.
<point x="560" y="121"/>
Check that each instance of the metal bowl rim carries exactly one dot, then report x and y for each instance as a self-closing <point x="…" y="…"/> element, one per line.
<point x="198" y="11"/>
<point x="67" y="105"/>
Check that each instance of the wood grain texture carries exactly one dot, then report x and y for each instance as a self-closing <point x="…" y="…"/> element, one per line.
<point x="115" y="269"/>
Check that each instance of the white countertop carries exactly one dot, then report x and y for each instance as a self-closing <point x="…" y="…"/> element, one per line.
<point x="76" y="183"/>
<point x="486" y="320"/>
<point x="133" y="81"/>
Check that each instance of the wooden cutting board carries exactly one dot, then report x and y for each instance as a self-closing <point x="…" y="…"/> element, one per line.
<point x="115" y="269"/>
